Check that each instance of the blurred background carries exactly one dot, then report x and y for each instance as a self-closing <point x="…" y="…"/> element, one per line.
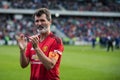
<point x="76" y="22"/>
<point x="80" y="23"/>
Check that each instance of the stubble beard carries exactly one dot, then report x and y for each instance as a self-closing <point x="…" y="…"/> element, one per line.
<point x="44" y="30"/>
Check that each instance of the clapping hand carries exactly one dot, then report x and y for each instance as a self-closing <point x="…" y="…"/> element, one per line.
<point x="35" y="41"/>
<point x="22" y="42"/>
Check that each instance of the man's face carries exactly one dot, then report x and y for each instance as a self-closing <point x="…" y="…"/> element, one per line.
<point x="42" y="24"/>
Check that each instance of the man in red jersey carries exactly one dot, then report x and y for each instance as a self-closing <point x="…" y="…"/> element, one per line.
<point x="43" y="51"/>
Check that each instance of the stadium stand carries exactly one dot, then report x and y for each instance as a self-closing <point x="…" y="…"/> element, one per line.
<point x="75" y="20"/>
<point x="77" y="5"/>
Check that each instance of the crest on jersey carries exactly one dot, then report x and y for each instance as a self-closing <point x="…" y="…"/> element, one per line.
<point x="45" y="48"/>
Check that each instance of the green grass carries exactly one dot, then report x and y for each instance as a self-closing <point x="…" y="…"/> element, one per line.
<point x="78" y="63"/>
<point x="9" y="64"/>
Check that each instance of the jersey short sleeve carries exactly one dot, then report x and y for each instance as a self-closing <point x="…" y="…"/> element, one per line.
<point x="27" y="52"/>
<point x="58" y="46"/>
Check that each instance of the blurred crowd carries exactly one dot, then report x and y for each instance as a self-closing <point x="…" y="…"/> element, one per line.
<point x="29" y="4"/>
<point x="10" y="26"/>
<point x="90" y="29"/>
<point x="77" y="5"/>
<point x="76" y="28"/>
<point x="82" y="28"/>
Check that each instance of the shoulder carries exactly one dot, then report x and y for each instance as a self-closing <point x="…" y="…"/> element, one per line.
<point x="56" y="38"/>
<point x="58" y="44"/>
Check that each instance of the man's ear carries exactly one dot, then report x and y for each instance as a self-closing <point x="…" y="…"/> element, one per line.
<point x="50" y="22"/>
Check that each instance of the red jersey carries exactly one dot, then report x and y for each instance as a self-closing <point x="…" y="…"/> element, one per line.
<point x="49" y="45"/>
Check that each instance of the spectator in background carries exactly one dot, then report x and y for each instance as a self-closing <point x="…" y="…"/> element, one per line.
<point x="110" y="43"/>
<point x="93" y="42"/>
<point x="117" y="42"/>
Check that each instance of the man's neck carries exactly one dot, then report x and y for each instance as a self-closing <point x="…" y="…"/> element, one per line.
<point x="43" y="36"/>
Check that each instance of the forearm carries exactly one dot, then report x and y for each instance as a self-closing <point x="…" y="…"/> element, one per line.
<point x="47" y="62"/>
<point x="23" y="59"/>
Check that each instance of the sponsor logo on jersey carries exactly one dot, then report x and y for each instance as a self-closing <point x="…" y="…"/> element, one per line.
<point x="35" y="57"/>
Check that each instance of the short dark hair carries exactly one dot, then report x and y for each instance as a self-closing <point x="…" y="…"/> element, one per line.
<point x="41" y="11"/>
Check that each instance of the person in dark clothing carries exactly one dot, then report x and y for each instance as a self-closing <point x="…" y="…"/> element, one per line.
<point x="117" y="42"/>
<point x="93" y="42"/>
<point x="109" y="43"/>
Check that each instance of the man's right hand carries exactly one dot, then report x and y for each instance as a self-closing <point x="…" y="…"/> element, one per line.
<point x="22" y="42"/>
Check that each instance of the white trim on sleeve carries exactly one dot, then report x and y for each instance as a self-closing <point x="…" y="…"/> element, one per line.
<point x="59" y="52"/>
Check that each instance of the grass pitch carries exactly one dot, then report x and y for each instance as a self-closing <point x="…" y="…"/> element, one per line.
<point x="78" y="63"/>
